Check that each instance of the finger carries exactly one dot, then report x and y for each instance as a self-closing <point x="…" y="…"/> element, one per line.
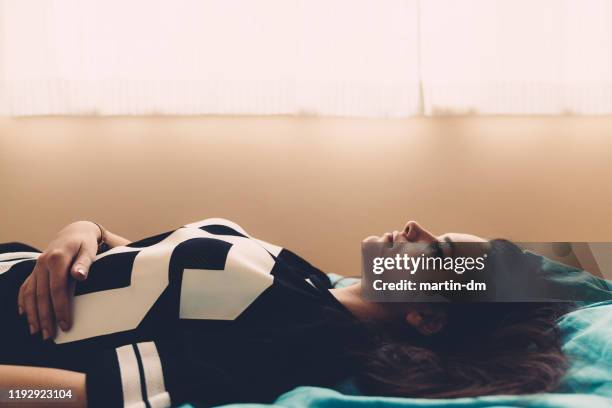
<point x="58" y="264"/>
<point x="43" y="304"/>
<point x="71" y="289"/>
<point x="29" y="302"/>
<point x="65" y="321"/>
<point x="20" y="296"/>
<point x="82" y="263"/>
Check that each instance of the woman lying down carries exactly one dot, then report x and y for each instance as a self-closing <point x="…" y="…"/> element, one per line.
<point x="208" y="313"/>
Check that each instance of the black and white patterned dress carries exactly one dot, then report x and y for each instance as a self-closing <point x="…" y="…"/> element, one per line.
<point x="202" y="313"/>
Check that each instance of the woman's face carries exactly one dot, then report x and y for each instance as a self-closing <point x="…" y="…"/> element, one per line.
<point x="429" y="318"/>
<point x="415" y="233"/>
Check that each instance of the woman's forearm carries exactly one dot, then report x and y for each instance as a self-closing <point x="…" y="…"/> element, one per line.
<point x="40" y="378"/>
<point x="90" y="227"/>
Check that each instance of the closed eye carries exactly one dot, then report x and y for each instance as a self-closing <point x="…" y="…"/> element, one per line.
<point x="435" y="249"/>
<point x="451" y="244"/>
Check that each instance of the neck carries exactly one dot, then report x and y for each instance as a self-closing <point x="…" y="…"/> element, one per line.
<point x="364" y="310"/>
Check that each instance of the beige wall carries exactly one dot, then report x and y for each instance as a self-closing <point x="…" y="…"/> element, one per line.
<point x="313" y="185"/>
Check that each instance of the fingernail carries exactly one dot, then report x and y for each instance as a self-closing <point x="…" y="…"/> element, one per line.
<point x="45" y="334"/>
<point x="63" y="325"/>
<point x="32" y="329"/>
<point x="81" y="271"/>
<point x="20" y="310"/>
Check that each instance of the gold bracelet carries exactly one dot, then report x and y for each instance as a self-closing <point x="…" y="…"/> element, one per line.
<point x="102" y="239"/>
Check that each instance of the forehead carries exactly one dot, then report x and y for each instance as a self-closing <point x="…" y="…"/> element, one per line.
<point x="466" y="244"/>
<point x="460" y="237"/>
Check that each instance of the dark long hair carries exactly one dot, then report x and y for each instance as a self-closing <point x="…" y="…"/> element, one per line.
<point x="485" y="348"/>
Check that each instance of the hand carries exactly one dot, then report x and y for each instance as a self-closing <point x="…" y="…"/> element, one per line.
<point x="46" y="294"/>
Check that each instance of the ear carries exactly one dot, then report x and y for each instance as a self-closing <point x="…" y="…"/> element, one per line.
<point x="425" y="323"/>
<point x="414" y="318"/>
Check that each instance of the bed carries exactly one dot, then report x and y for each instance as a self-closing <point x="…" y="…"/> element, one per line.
<point x="587" y="340"/>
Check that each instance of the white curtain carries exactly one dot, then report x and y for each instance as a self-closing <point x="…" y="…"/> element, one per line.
<point x="377" y="58"/>
<point x="517" y="56"/>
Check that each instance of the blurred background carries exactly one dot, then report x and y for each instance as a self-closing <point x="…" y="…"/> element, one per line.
<point x="310" y="123"/>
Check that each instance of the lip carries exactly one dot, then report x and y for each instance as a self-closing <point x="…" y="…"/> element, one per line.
<point x="399" y="237"/>
<point x="388" y="237"/>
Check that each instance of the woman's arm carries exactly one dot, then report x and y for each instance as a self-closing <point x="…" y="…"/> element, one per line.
<point x="114" y="240"/>
<point x="46" y="294"/>
<point x="39" y="378"/>
<point x="111" y="239"/>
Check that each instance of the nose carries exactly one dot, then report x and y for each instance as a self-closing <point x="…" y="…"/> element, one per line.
<point x="413" y="232"/>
